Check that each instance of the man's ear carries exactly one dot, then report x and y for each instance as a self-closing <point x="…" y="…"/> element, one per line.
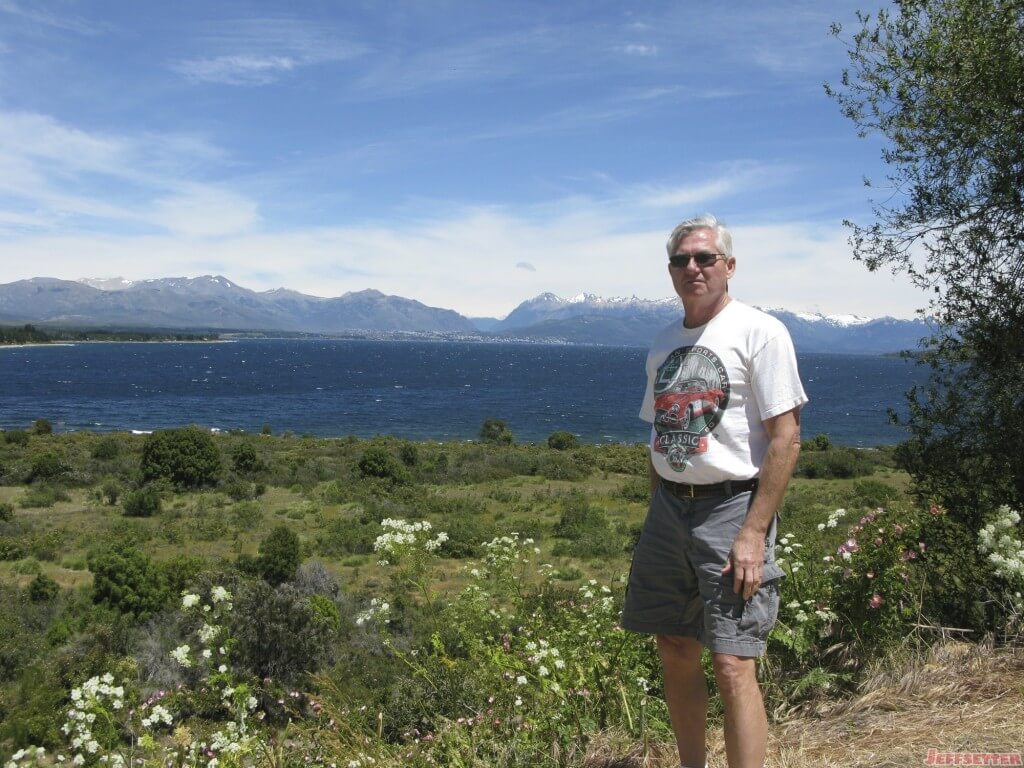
<point x="730" y="266"/>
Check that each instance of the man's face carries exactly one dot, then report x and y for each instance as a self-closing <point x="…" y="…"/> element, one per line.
<point x="705" y="284"/>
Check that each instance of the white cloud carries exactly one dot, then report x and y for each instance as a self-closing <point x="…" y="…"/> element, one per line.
<point x="200" y="211"/>
<point x="236" y="70"/>
<point x="525" y="265"/>
<point x="259" y="51"/>
<point x="450" y="262"/>
<point x="637" y="49"/>
<point x="57" y="176"/>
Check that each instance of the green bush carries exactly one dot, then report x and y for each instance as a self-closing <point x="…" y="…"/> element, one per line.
<point x="6" y="511"/>
<point x="106" y="449"/>
<point x="245" y="460"/>
<point x="110" y="490"/>
<point x="874" y="493"/>
<point x="279" y="555"/>
<point x="42" y="589"/>
<point x="42" y="427"/>
<point x="835" y="463"/>
<point x="377" y="461"/>
<point x="636" y="489"/>
<point x="45" y="467"/>
<point x="143" y="502"/>
<point x="281" y="633"/>
<point x="496" y="431"/>
<point x="17" y="437"/>
<point x="187" y="457"/>
<point x="820" y="442"/>
<point x="562" y="441"/>
<point x="43" y="496"/>
<point x="128" y="581"/>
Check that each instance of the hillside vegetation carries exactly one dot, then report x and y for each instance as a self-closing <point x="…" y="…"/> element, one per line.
<point x="185" y="598"/>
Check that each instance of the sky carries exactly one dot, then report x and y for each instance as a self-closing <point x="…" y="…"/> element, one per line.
<point x="468" y="154"/>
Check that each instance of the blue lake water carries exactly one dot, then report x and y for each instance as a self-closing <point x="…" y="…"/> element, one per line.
<point x="417" y="390"/>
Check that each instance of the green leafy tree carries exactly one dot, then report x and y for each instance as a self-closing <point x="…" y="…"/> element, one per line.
<point x="187" y="456"/>
<point x="143" y="502"/>
<point x="377" y="461"/>
<point x="279" y="555"/>
<point x="42" y="427"/>
<point x="245" y="460"/>
<point x="496" y="431"/>
<point x="563" y="441"/>
<point x="942" y="82"/>
<point x="128" y="581"/>
<point x="42" y="589"/>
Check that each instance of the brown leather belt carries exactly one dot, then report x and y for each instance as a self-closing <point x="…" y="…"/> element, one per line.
<point x="722" y="490"/>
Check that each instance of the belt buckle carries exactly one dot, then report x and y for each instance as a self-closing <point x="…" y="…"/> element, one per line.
<point x="693" y="495"/>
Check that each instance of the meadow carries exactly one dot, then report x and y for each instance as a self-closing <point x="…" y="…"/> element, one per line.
<point x="187" y="599"/>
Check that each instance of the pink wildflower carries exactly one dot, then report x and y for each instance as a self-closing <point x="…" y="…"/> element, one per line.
<point x="876" y="601"/>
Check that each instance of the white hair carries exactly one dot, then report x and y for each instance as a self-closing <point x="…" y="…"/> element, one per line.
<point x="723" y="239"/>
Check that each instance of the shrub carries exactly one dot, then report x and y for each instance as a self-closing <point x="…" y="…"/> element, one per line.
<point x="144" y="502"/>
<point x="409" y="453"/>
<point x="279" y="555"/>
<point x="42" y="589"/>
<point x="42" y="427"/>
<point x="835" y="463"/>
<point x="562" y="441"/>
<point x="187" y="457"/>
<point x="110" y="490"/>
<point x="266" y="430"/>
<point x="46" y="466"/>
<point x="377" y="461"/>
<point x="874" y="493"/>
<point x="817" y="443"/>
<point x="240" y="490"/>
<point x="636" y="489"/>
<point x="43" y="496"/>
<point x="282" y="633"/>
<point x="106" y="449"/>
<point x="128" y="581"/>
<point x="245" y="460"/>
<point x="17" y="437"/>
<point x="495" y="431"/>
<point x="6" y="511"/>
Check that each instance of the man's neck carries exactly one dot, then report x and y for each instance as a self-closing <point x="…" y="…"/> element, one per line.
<point x="697" y="315"/>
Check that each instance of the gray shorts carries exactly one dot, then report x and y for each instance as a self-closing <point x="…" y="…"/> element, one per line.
<point x="676" y="586"/>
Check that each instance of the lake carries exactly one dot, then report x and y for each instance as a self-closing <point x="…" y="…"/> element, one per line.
<point x="412" y="389"/>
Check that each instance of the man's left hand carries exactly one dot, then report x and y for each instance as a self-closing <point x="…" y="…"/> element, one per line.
<point x="746" y="563"/>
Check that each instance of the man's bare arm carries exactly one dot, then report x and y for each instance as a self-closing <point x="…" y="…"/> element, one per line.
<point x="746" y="560"/>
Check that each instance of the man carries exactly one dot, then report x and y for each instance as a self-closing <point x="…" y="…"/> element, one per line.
<point x="723" y="399"/>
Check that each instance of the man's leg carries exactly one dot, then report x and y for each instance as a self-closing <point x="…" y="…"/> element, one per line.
<point x="746" y="726"/>
<point x="686" y="694"/>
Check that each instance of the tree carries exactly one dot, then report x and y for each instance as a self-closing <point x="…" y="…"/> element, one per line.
<point x="187" y="456"/>
<point x="562" y="441"/>
<point x="142" y="502"/>
<point x="128" y="581"/>
<point x="495" y="431"/>
<point x="42" y="427"/>
<point x="377" y="461"/>
<point x="943" y="82"/>
<point x="279" y="556"/>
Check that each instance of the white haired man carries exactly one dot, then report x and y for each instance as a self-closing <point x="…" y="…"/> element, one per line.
<point x="723" y="399"/>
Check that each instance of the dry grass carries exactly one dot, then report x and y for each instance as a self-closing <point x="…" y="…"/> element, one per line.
<point x="962" y="698"/>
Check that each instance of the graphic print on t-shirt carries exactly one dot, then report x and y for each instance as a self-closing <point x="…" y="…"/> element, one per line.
<point x="691" y="392"/>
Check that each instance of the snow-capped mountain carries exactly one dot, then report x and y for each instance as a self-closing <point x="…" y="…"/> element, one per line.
<point x="213" y="302"/>
<point x="634" y="321"/>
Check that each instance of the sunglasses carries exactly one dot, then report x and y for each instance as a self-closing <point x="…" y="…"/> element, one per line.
<point x="703" y="259"/>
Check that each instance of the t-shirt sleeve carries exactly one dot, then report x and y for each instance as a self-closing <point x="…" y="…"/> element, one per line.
<point x="775" y="379"/>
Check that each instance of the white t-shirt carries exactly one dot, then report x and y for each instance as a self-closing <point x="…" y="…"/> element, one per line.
<point x="710" y="388"/>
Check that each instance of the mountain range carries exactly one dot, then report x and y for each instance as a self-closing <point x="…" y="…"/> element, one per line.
<point x="216" y="303"/>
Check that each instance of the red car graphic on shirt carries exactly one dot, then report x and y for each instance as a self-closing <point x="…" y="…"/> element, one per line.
<point x="676" y="410"/>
